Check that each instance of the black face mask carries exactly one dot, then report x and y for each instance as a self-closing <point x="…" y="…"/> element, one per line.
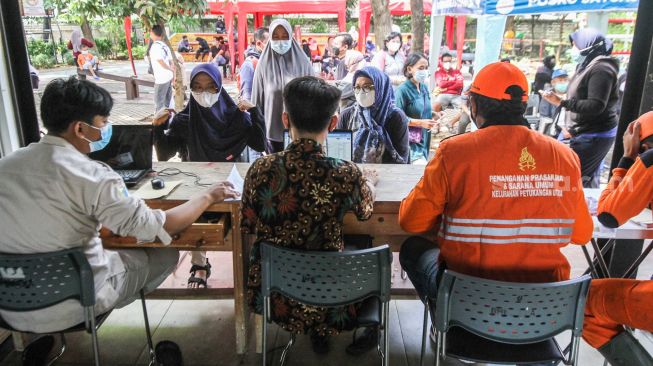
<point x="336" y="51"/>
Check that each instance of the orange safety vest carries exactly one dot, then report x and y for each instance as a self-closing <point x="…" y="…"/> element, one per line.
<point x="503" y="200"/>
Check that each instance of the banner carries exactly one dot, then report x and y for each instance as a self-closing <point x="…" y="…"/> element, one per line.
<point x="33" y="8"/>
<point x="457" y="7"/>
<point x="512" y="7"/>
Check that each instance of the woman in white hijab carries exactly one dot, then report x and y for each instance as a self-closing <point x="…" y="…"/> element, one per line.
<point x="282" y="60"/>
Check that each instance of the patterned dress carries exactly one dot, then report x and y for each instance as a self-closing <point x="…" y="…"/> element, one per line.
<point x="297" y="199"/>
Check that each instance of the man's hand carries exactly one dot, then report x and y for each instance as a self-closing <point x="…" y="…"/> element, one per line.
<point x="221" y="191"/>
<point x="371" y="175"/>
<point x="631" y="140"/>
<point x="551" y="97"/>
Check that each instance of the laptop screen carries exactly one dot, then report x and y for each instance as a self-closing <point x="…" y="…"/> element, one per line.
<point x="338" y="144"/>
<point x="130" y="148"/>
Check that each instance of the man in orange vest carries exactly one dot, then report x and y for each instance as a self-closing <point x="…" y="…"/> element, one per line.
<point x="613" y="302"/>
<point x="503" y="200"/>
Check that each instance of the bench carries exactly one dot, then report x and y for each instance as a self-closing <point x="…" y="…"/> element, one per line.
<point x="131" y="82"/>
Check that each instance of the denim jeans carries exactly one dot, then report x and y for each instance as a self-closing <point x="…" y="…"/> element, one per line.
<point x="419" y="258"/>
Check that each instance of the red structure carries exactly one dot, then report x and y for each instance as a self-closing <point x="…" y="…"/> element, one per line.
<point x="261" y="8"/>
<point x="397" y="7"/>
<point x="226" y="8"/>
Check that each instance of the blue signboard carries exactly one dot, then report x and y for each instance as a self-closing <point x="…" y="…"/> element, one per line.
<point x="512" y="7"/>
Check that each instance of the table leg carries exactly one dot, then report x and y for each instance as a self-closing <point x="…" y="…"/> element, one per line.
<point x="241" y="315"/>
<point x="599" y="257"/>
<point x="592" y="269"/>
<point x="638" y="261"/>
<point x="258" y="318"/>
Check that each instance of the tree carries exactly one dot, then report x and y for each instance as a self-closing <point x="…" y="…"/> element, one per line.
<point x="79" y="11"/>
<point x="417" y="24"/>
<point x="159" y="12"/>
<point x="382" y="20"/>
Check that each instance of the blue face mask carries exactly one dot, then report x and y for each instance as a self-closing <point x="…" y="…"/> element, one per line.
<point x="105" y="137"/>
<point x="421" y="75"/>
<point x="281" y="47"/>
<point x="576" y="56"/>
<point x="561" y="87"/>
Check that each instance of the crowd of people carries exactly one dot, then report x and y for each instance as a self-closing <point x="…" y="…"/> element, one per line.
<point x="463" y="195"/>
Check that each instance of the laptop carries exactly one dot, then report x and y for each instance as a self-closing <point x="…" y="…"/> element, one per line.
<point x="129" y="152"/>
<point x="338" y="144"/>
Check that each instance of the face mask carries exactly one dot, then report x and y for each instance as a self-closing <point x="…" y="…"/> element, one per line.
<point x="84" y="52"/>
<point x="576" y="56"/>
<point x="336" y="51"/>
<point x="365" y="100"/>
<point x="421" y="75"/>
<point x="281" y="47"/>
<point x="446" y="65"/>
<point x="105" y="137"/>
<point x="206" y="99"/>
<point x="561" y="87"/>
<point x="393" y="46"/>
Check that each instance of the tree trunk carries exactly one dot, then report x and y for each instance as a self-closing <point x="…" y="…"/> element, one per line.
<point x="417" y="24"/>
<point x="86" y="30"/>
<point x="382" y="21"/>
<point x="179" y="81"/>
<point x="47" y="23"/>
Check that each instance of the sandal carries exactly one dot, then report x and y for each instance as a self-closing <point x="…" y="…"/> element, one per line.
<point x="36" y="353"/>
<point x="366" y="342"/>
<point x="200" y="281"/>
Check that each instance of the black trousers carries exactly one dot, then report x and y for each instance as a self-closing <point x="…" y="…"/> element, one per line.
<point x="591" y="151"/>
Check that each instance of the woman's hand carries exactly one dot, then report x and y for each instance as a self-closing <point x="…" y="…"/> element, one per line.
<point x="245" y="105"/>
<point x="162" y="117"/>
<point x="424" y="123"/>
<point x="551" y="97"/>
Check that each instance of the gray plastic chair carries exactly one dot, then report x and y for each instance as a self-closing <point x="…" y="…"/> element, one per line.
<point x="328" y="279"/>
<point x="35" y="281"/>
<point x="496" y="322"/>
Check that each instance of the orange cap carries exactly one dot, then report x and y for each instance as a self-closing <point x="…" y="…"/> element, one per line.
<point x="493" y="80"/>
<point x="646" y="125"/>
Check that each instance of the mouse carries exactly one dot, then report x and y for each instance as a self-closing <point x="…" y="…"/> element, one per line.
<point x="157" y="183"/>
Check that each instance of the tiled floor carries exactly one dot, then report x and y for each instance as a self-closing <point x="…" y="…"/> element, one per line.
<point x="204" y="329"/>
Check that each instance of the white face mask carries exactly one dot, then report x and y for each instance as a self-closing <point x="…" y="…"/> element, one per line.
<point x="421" y="75"/>
<point x="84" y="52"/>
<point x="281" y="47"/>
<point x="206" y="99"/>
<point x="446" y="65"/>
<point x="393" y="46"/>
<point x="365" y="100"/>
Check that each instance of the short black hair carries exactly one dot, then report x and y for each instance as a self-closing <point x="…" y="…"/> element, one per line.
<point x="446" y="54"/>
<point x="392" y="36"/>
<point x="219" y="38"/>
<point x="502" y="111"/>
<point x="346" y="39"/>
<point x="184" y="37"/>
<point x="66" y="101"/>
<point x="310" y="102"/>
<point x="259" y="33"/>
<point x="411" y="60"/>
<point x="158" y="30"/>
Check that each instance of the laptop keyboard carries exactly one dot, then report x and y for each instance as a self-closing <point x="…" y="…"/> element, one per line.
<point x="129" y="174"/>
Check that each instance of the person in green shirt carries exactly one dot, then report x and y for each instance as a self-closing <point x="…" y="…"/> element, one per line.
<point x="413" y="97"/>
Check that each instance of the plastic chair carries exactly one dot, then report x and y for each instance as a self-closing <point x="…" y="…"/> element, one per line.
<point x="329" y="279"/>
<point x="496" y="322"/>
<point x="35" y="281"/>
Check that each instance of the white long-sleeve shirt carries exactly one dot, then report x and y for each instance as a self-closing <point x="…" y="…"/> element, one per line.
<point x="53" y="197"/>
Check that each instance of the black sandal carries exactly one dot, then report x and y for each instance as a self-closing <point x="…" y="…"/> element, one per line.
<point x="200" y="281"/>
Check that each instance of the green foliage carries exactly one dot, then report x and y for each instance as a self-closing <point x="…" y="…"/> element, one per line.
<point x="38" y="47"/>
<point x="42" y="61"/>
<point x="68" y="58"/>
<point x="319" y="27"/>
<point x="103" y="47"/>
<point x="184" y="24"/>
<point x="139" y="52"/>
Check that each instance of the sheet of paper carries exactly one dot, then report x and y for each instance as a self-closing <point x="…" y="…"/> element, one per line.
<point x="146" y="191"/>
<point x="238" y="182"/>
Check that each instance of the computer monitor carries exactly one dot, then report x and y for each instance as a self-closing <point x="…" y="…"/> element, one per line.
<point x="129" y="151"/>
<point x="338" y="145"/>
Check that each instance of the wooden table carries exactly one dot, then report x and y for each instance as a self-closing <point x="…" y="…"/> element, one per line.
<point x="395" y="181"/>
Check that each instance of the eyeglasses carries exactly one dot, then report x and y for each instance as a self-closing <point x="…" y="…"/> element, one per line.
<point x="365" y="89"/>
<point x="212" y="90"/>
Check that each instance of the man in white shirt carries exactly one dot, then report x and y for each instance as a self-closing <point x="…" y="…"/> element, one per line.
<point x="163" y="68"/>
<point x="54" y="197"/>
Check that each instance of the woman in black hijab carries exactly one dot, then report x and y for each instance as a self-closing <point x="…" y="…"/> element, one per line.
<point x="544" y="72"/>
<point x="210" y="128"/>
<point x="592" y="101"/>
